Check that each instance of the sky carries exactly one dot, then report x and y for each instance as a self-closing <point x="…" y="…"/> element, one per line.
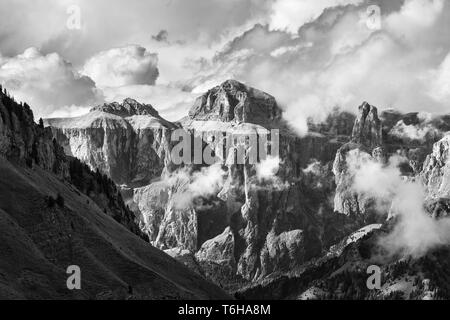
<point x="64" y="56"/>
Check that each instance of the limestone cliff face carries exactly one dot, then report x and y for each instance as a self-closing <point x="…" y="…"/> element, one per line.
<point x="129" y="141"/>
<point x="375" y="137"/>
<point x="250" y="223"/>
<point x="250" y="226"/>
<point x="233" y="101"/>
<point x="366" y="143"/>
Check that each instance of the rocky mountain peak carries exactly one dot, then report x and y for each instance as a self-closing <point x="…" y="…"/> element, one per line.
<point x="129" y="107"/>
<point x="233" y="101"/>
<point x="367" y="128"/>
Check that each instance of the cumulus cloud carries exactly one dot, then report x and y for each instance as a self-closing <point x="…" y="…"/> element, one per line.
<point x="415" y="231"/>
<point x="419" y="132"/>
<point x="440" y="88"/>
<point x="191" y="185"/>
<point x="268" y="168"/>
<point x="311" y="55"/>
<point x="337" y="60"/>
<point x="113" y="23"/>
<point x="267" y="175"/>
<point x="48" y="83"/>
<point x="290" y="15"/>
<point x="130" y="65"/>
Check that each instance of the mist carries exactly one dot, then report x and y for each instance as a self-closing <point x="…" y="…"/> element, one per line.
<point x="415" y="232"/>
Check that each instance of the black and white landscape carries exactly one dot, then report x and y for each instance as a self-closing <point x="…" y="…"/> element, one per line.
<point x="215" y="150"/>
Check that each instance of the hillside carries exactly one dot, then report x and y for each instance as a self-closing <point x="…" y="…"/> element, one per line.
<point x="41" y="237"/>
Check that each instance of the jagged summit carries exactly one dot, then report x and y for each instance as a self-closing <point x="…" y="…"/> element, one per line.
<point x="233" y="101"/>
<point x="114" y="115"/>
<point x="129" y="107"/>
<point x="367" y="130"/>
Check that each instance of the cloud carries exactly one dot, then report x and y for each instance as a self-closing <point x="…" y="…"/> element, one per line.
<point x="290" y="15"/>
<point x="419" y="132"/>
<point x="130" y="65"/>
<point x="322" y="57"/>
<point x="46" y="82"/>
<point x="191" y="185"/>
<point x="113" y="23"/>
<point x="267" y="175"/>
<point x="440" y="88"/>
<point x="268" y="168"/>
<point x="337" y="60"/>
<point x="415" y="231"/>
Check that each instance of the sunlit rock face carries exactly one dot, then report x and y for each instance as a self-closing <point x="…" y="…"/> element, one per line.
<point x="410" y="137"/>
<point x="127" y="141"/>
<point x="366" y="143"/>
<point x="266" y="219"/>
<point x="436" y="170"/>
<point x="233" y="101"/>
<point x="367" y="128"/>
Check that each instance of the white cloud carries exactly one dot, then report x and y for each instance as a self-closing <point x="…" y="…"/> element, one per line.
<point x="69" y="112"/>
<point x="290" y="15"/>
<point x="333" y="60"/>
<point x="268" y="168"/>
<point x="46" y="82"/>
<point x="113" y="23"/>
<point x="414" y="16"/>
<point x="440" y="82"/>
<point x="336" y="60"/>
<point x="130" y="65"/>
<point x="191" y="185"/>
<point x="415" y="132"/>
<point x="416" y="231"/>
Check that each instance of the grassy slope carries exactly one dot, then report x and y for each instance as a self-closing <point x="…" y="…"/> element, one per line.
<point x="37" y="243"/>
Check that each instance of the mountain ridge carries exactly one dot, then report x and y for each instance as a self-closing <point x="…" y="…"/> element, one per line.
<point x="42" y="236"/>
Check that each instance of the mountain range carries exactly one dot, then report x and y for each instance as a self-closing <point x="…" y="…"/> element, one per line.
<point x="298" y="223"/>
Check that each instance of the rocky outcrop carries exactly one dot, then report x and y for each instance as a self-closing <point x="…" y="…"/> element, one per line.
<point x="436" y="170"/>
<point x="129" y="142"/>
<point x="219" y="249"/>
<point x="341" y="273"/>
<point x="366" y="144"/>
<point x="233" y="101"/>
<point x="346" y="199"/>
<point x="367" y="129"/>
